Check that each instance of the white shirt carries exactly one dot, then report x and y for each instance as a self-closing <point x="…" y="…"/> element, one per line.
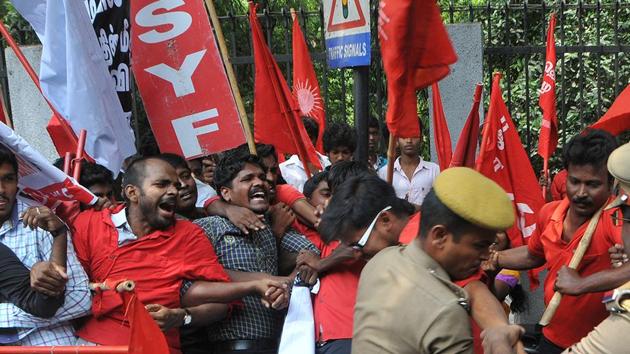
<point x="418" y="187"/>
<point x="293" y="172"/>
<point x="204" y="192"/>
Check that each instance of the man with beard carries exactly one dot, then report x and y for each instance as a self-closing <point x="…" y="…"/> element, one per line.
<point x="413" y="176"/>
<point x="560" y="227"/>
<point x="142" y="241"/>
<point x="242" y="181"/>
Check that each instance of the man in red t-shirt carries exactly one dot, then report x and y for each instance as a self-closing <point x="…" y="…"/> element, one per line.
<point x="142" y="241"/>
<point x="560" y="227"/>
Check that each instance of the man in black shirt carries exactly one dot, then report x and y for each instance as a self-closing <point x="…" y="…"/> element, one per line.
<point x="15" y="287"/>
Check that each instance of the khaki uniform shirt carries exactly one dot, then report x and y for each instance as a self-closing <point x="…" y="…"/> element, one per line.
<point x="407" y="304"/>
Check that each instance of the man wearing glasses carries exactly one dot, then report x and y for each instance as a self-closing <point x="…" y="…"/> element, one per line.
<point x="406" y="301"/>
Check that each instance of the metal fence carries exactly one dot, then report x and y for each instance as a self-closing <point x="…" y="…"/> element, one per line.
<point x="593" y="47"/>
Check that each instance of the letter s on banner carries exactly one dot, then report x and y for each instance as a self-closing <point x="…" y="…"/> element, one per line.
<point x="181" y="78"/>
<point x="179" y="21"/>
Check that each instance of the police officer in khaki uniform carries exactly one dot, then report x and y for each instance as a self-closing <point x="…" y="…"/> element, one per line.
<point x="406" y="301"/>
<point x="610" y="336"/>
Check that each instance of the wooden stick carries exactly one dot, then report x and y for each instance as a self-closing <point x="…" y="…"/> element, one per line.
<point x="127" y="285"/>
<point x="546" y="176"/>
<point x="391" y="156"/>
<point x="76" y="169"/>
<point x="575" y="261"/>
<point x="231" y="76"/>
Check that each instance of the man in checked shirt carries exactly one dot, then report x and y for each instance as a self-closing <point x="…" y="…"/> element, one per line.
<point x="241" y="181"/>
<point x="42" y="247"/>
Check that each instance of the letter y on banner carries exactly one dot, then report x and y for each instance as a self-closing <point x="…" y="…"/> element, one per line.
<point x="181" y="78"/>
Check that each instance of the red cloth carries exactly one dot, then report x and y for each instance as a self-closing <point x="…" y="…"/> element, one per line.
<point x="210" y="201"/>
<point x="503" y="159"/>
<point x="288" y="195"/>
<point x="157" y="262"/>
<point x="416" y="52"/>
<point x="548" y="140"/>
<point x="305" y="85"/>
<point x="62" y="135"/>
<point x="333" y="305"/>
<point x="466" y="147"/>
<point x="440" y="129"/>
<point x="617" y="119"/>
<point x="276" y="114"/>
<point x="145" y="335"/>
<point x="559" y="185"/>
<point x="564" y="330"/>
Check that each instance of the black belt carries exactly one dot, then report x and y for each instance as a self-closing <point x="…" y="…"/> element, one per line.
<point x="245" y="344"/>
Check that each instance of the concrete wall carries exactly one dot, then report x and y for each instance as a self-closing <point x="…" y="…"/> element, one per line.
<point x="29" y="110"/>
<point x="458" y="87"/>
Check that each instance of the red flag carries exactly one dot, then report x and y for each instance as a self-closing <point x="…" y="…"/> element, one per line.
<point x="416" y="52"/>
<point x="467" y="144"/>
<point x="62" y="135"/>
<point x="548" y="140"/>
<point x="503" y="159"/>
<point x="276" y="114"/>
<point x="440" y="130"/>
<point x="617" y="119"/>
<point x="145" y="337"/>
<point x="305" y="85"/>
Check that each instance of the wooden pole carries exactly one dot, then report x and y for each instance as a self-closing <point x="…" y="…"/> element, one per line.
<point x="231" y="76"/>
<point x="79" y="155"/>
<point x="391" y="157"/>
<point x="546" y="177"/>
<point x="575" y="261"/>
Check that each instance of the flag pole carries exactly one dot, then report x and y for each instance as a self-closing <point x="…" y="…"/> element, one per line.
<point x="214" y="19"/>
<point x="546" y="176"/>
<point x="391" y="155"/>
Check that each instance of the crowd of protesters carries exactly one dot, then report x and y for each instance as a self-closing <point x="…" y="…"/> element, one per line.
<point x="215" y="245"/>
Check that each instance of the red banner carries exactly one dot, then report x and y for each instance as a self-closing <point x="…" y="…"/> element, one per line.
<point x="503" y="159"/>
<point x="181" y="78"/>
<point x="548" y="140"/>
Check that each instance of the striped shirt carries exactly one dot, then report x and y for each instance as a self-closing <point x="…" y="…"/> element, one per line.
<point x="33" y="246"/>
<point x="256" y="252"/>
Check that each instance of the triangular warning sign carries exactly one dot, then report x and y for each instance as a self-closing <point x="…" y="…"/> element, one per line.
<point x="345" y="25"/>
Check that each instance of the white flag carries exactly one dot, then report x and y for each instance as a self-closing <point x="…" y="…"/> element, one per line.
<point x="38" y="178"/>
<point x="73" y="76"/>
<point x="298" y="332"/>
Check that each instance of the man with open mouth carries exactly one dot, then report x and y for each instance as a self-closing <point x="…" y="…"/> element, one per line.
<point x="241" y="180"/>
<point x="143" y="241"/>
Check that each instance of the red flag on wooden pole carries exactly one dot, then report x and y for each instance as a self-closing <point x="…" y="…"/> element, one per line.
<point x="416" y="52"/>
<point x="276" y="114"/>
<point x="440" y="129"/>
<point x="548" y="140"/>
<point x="617" y="119"/>
<point x="466" y="147"/>
<point x="305" y="86"/>
<point x="503" y="159"/>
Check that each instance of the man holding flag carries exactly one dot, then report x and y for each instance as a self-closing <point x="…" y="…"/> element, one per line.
<point x="561" y="226"/>
<point x="39" y="239"/>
